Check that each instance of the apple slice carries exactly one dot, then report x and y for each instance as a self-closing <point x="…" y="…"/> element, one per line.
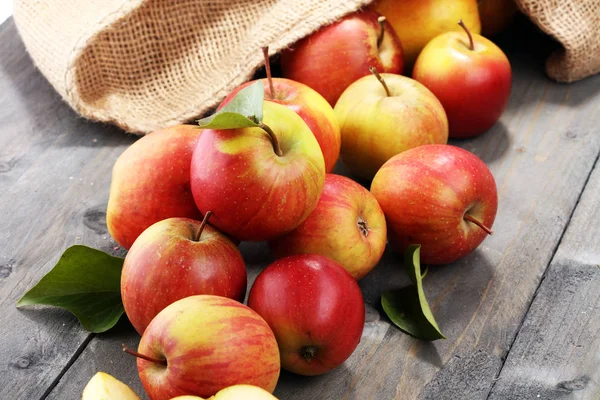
<point x="103" y="386"/>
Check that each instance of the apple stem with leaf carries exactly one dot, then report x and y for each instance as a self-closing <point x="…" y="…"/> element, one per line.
<point x="478" y="223"/>
<point x="381" y="20"/>
<point x="380" y="79"/>
<point x="268" y="70"/>
<point x="198" y="234"/>
<point x="142" y="356"/>
<point x="471" y="43"/>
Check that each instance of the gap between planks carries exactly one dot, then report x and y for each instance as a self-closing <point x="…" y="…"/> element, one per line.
<point x="72" y="360"/>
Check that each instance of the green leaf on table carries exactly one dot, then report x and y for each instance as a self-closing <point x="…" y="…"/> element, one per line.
<point x="85" y="281"/>
<point x="245" y="110"/>
<point x="407" y="308"/>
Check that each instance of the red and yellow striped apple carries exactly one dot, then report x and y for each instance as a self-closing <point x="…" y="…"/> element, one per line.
<point x="347" y="226"/>
<point x="315" y="309"/>
<point x="177" y="258"/>
<point x="332" y="58"/>
<point x="379" y="121"/>
<point x="441" y="197"/>
<point x="259" y="184"/>
<point x="202" y="344"/>
<point x="470" y="76"/>
<point x="151" y="182"/>
<point x="416" y="22"/>
<point x="311" y="107"/>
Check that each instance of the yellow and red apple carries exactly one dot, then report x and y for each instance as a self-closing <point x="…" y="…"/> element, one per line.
<point x="177" y="258"/>
<point x="235" y="392"/>
<point x="377" y="122"/>
<point x="470" y="76"/>
<point x="332" y="58"/>
<point x="103" y="386"/>
<point x="259" y="185"/>
<point x="311" y="107"/>
<point x="347" y="226"/>
<point x="202" y="344"/>
<point x="441" y="197"/>
<point x="151" y="182"/>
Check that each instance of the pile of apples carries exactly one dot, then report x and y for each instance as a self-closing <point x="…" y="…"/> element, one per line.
<point x="182" y="199"/>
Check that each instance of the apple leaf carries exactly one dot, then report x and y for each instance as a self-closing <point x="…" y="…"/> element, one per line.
<point x="407" y="308"/>
<point x="85" y="281"/>
<point x="245" y="110"/>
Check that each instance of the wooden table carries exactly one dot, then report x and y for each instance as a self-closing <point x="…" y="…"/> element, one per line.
<point x="521" y="314"/>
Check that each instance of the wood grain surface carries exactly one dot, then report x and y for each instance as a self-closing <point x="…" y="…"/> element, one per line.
<point x="54" y="180"/>
<point x="556" y="354"/>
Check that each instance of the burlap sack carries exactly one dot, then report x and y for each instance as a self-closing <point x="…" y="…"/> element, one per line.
<point x="576" y="25"/>
<point x="147" y="64"/>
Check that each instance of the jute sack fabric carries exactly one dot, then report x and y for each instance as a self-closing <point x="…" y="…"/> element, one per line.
<point x="147" y="64"/>
<point x="576" y="25"/>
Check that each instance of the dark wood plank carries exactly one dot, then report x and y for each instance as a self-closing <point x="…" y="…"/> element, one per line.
<point x="556" y="354"/>
<point x="541" y="154"/>
<point x="54" y="171"/>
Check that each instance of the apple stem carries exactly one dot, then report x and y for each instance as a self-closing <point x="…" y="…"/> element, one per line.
<point x="381" y="21"/>
<point x="471" y="43"/>
<point x="274" y="139"/>
<point x="198" y="235"/>
<point x="479" y="224"/>
<point x="268" y="69"/>
<point x="309" y="352"/>
<point x="143" y="357"/>
<point x="380" y="79"/>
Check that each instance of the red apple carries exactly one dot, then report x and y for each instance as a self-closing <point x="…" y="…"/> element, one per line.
<point x="383" y="115"/>
<point x="202" y="344"/>
<point x="332" y="58"/>
<point x="177" y="258"/>
<point x="311" y="107"/>
<point x="258" y="184"/>
<point x="151" y="182"/>
<point x="314" y="307"/>
<point x="347" y="226"/>
<point x="441" y="197"/>
<point x="470" y="76"/>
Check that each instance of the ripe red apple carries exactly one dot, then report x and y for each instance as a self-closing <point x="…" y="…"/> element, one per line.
<point x="202" y="344"/>
<point x="314" y="307"/>
<point x="383" y="115"/>
<point x="470" y="76"/>
<point x="332" y="58"/>
<point x="151" y="182"/>
<point x="259" y="184"/>
<point x="177" y="258"/>
<point x="347" y="226"/>
<point x="416" y="22"/>
<point x="441" y="197"/>
<point x="311" y="107"/>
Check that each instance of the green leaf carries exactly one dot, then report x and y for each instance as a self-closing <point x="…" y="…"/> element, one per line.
<point x="407" y="308"/>
<point x="245" y="110"/>
<point x="85" y="281"/>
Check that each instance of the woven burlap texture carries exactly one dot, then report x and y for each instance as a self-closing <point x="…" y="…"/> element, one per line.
<point x="147" y="64"/>
<point x="576" y="25"/>
<point x="144" y="65"/>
